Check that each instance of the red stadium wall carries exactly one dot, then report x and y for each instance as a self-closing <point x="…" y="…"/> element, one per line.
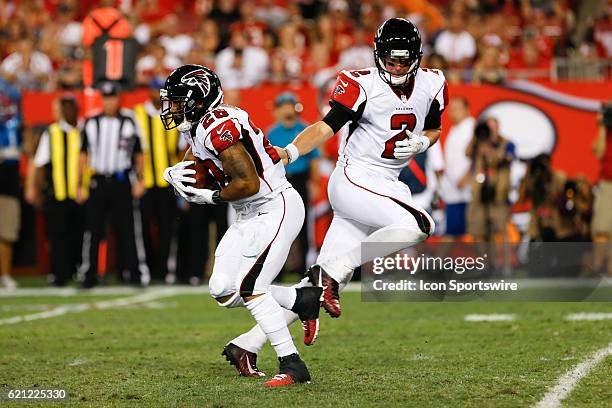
<point x="574" y="125"/>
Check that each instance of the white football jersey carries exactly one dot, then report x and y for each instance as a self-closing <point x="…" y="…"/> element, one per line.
<point x="383" y="116"/>
<point x="225" y="125"/>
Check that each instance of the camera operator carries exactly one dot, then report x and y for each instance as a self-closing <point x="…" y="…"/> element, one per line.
<point x="491" y="155"/>
<point x="560" y="208"/>
<point x="560" y="211"/>
<point x="602" y="209"/>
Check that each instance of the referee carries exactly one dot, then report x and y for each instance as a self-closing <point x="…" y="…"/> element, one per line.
<point x="55" y="171"/>
<point x="111" y="146"/>
<point x="161" y="148"/>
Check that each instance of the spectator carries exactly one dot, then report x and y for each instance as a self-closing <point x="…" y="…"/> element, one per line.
<point x="111" y="146"/>
<point x="602" y="216"/>
<point x="319" y="67"/>
<point x="527" y="62"/>
<point x="491" y="155"/>
<point x="488" y="68"/>
<point x="360" y="54"/>
<point x="303" y="171"/>
<point x="27" y="68"/>
<point x="55" y="171"/>
<point x="270" y="13"/>
<point x="543" y="189"/>
<point x="254" y="29"/>
<point x="207" y="42"/>
<point x="176" y="43"/>
<point x="155" y="64"/>
<point x="278" y="74"/>
<point x="225" y="14"/>
<point x="602" y="34"/>
<point x="69" y="73"/>
<point x="454" y="186"/>
<point x="241" y="66"/>
<point x="323" y="32"/>
<point x="14" y="31"/>
<point x="456" y="45"/>
<point x="10" y="146"/>
<point x="435" y="61"/>
<point x="291" y="51"/>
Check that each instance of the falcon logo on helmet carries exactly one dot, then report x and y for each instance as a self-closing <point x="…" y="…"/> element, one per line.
<point x="197" y="78"/>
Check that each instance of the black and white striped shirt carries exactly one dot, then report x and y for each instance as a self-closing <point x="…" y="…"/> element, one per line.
<point x="110" y="142"/>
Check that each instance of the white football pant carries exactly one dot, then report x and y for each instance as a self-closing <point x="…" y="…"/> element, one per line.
<point x="367" y="208"/>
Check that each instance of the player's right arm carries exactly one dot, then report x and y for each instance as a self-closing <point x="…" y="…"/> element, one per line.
<point x="309" y="139"/>
<point x="240" y="169"/>
<point x="347" y="100"/>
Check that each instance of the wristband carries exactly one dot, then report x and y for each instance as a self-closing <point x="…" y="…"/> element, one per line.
<point x="292" y="152"/>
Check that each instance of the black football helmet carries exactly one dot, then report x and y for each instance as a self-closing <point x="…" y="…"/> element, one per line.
<point x="399" y="40"/>
<point x="189" y="92"/>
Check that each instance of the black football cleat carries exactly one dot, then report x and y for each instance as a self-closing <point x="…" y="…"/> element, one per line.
<point x="244" y="361"/>
<point x="307" y="305"/>
<point x="292" y="371"/>
<point x="331" y="298"/>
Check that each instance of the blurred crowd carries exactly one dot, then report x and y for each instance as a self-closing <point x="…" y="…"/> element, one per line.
<point x="252" y="42"/>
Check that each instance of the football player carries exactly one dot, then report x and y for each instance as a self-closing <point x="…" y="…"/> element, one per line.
<point x="393" y="112"/>
<point x="270" y="214"/>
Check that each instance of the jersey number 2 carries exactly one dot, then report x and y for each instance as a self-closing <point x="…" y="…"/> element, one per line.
<point x="403" y="122"/>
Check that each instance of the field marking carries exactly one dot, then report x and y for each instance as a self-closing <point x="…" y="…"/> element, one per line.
<point x="145" y="297"/>
<point x="494" y="317"/>
<point x="103" y="291"/>
<point x="123" y="290"/>
<point x="566" y="384"/>
<point x="588" y="316"/>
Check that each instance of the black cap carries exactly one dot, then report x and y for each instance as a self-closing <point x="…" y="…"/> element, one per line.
<point x="109" y="88"/>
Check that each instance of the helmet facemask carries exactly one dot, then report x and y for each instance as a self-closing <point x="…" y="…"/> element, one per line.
<point x="179" y="111"/>
<point x="394" y="57"/>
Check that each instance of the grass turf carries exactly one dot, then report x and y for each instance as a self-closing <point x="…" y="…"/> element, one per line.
<point x="377" y="354"/>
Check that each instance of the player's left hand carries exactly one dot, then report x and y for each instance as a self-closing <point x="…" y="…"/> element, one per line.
<point x="200" y="195"/>
<point x="415" y="144"/>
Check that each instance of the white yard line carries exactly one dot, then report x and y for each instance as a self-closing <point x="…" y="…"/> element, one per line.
<point x="145" y="297"/>
<point x="103" y="291"/>
<point x="588" y="316"/>
<point x="122" y="290"/>
<point x="566" y="384"/>
<point x="489" y="317"/>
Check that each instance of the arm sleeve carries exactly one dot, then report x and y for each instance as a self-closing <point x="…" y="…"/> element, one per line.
<point x="338" y="116"/>
<point x="437" y="107"/>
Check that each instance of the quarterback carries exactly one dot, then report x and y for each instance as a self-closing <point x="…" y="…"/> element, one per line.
<point x="392" y="113"/>
<point x="248" y="174"/>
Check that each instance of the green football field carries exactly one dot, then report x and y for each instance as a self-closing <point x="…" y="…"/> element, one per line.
<point x="162" y="349"/>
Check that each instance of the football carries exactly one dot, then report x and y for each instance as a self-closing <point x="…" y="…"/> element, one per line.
<point x="202" y="175"/>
